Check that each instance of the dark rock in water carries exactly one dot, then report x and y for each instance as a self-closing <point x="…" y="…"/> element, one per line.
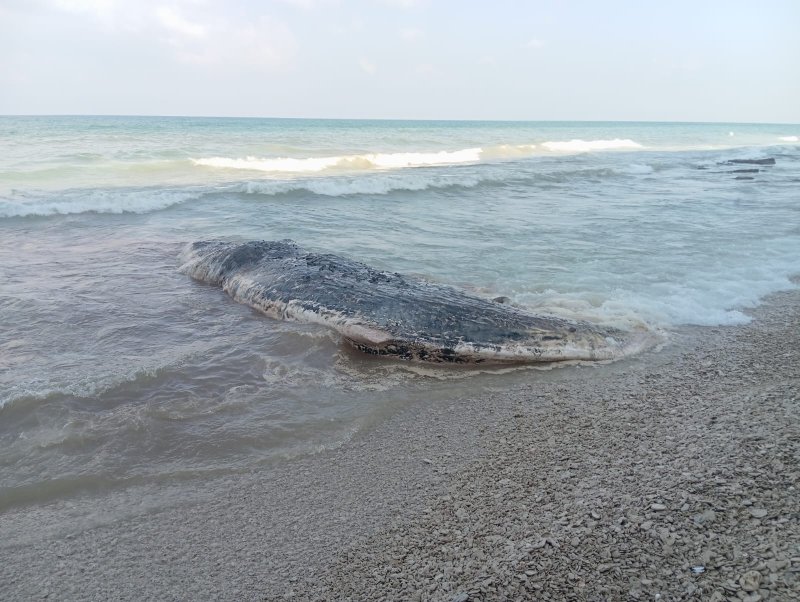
<point x="768" y="161"/>
<point x="745" y="171"/>
<point x="501" y="300"/>
<point x="385" y="313"/>
<point x="744" y="178"/>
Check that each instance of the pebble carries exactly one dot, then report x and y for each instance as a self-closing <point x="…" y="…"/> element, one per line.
<point x="624" y="443"/>
<point x="750" y="581"/>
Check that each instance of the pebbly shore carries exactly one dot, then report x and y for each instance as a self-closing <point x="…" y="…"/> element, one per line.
<point x="670" y="476"/>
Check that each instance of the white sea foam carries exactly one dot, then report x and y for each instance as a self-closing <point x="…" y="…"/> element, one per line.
<point x="634" y="169"/>
<point x="387" y="161"/>
<point x="374" y="184"/>
<point x="508" y="151"/>
<point x="344" y="162"/>
<point x="92" y="201"/>
<point x="702" y="298"/>
<point x="585" y="146"/>
<point x="789" y="139"/>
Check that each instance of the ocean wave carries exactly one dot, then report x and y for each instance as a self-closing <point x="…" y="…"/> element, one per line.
<point x="634" y="169"/>
<point x="376" y="184"/>
<point x="344" y="162"/>
<point x="92" y="201"/>
<point x="387" y="183"/>
<point x="702" y="298"/>
<point x="83" y="386"/>
<point x="789" y="139"/>
<point x="585" y="146"/>
<point x="385" y="161"/>
<point x="145" y="200"/>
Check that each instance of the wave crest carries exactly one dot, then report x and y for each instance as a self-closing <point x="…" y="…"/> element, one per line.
<point x="386" y="161"/>
<point x="344" y="186"/>
<point x="92" y="201"/>
<point x="344" y="162"/>
<point x="585" y="146"/>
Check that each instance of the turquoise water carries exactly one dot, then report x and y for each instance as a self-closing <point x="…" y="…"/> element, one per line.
<point x="115" y="369"/>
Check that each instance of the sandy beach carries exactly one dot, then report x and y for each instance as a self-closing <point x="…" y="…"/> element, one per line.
<point x="670" y="476"/>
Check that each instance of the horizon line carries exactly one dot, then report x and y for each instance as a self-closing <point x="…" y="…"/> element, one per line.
<point x="401" y="119"/>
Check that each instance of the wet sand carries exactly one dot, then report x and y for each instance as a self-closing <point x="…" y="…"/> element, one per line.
<point x="673" y="475"/>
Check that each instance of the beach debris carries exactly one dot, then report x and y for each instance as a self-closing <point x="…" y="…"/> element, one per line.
<point x="699" y="569"/>
<point x="750" y="581"/>
<point x="704" y="518"/>
<point x="744" y="173"/>
<point x="767" y="161"/>
<point x="758" y="512"/>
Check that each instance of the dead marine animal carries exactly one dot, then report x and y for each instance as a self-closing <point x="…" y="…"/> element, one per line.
<point x="388" y="314"/>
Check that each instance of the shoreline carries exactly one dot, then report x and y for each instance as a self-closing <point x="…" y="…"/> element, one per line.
<point x="615" y="481"/>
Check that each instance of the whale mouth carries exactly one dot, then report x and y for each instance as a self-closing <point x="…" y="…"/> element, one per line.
<point x="388" y="314"/>
<point x="555" y="349"/>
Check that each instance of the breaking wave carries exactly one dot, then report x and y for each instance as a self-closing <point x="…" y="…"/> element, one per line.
<point x="385" y="161"/>
<point x="585" y="146"/>
<point x="378" y="184"/>
<point x="92" y="201"/>
<point x="345" y="162"/>
<point x="146" y="200"/>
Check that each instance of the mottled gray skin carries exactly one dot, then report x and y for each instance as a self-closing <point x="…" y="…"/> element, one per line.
<point x="386" y="313"/>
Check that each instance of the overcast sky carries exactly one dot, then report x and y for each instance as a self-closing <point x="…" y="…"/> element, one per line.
<point x="416" y="59"/>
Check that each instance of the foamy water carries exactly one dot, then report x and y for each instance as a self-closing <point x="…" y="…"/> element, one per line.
<point x="115" y="369"/>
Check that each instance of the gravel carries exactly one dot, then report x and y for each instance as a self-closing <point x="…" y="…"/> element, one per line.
<point x="671" y="476"/>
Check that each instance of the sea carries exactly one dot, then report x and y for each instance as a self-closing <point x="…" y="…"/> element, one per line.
<point x="120" y="373"/>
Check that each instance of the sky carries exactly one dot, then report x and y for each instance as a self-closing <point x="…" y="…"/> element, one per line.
<point x="730" y="61"/>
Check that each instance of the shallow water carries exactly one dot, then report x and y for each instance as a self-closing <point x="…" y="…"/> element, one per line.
<point x="116" y="369"/>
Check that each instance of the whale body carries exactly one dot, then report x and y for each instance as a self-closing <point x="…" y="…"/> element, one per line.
<point x="389" y="314"/>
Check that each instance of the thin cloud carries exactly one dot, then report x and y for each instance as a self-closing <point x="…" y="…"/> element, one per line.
<point x="96" y="7"/>
<point x="411" y="33"/>
<point x="196" y="32"/>
<point x="169" y="18"/>
<point x="367" y="66"/>
<point x="308" y="4"/>
<point x="403" y="3"/>
<point x="534" y="43"/>
<point x="109" y="14"/>
<point x="261" y="44"/>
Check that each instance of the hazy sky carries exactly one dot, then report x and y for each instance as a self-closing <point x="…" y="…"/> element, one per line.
<point x="501" y="59"/>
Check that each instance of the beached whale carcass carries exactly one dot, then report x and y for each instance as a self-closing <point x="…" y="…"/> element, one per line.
<point x="389" y="314"/>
